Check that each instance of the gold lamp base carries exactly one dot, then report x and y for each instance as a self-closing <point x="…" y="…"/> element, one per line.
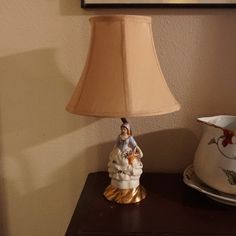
<point x="125" y="196"/>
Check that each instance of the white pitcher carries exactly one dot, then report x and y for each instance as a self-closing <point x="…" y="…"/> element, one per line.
<point x="215" y="158"/>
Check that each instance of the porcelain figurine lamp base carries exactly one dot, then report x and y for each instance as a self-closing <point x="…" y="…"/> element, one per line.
<point x="125" y="169"/>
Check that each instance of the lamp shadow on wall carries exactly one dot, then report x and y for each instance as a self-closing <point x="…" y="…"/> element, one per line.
<point x="209" y="66"/>
<point x="3" y="201"/>
<point x="34" y="93"/>
<point x="217" y="65"/>
<point x="168" y="150"/>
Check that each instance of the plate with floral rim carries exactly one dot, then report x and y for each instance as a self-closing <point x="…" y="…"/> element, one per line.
<point x="191" y="179"/>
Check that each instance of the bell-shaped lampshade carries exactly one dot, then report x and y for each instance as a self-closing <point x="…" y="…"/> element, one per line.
<point x="122" y="76"/>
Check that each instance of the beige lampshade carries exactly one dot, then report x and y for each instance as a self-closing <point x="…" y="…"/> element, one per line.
<point x="122" y="76"/>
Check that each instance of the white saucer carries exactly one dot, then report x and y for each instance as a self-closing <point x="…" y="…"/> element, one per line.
<point x="191" y="179"/>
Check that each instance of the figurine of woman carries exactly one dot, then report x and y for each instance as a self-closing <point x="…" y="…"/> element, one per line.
<point x="125" y="167"/>
<point x="127" y="145"/>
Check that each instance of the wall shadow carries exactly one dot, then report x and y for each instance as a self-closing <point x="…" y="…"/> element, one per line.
<point x="168" y="150"/>
<point x="3" y="200"/>
<point x="163" y="151"/>
<point x="216" y="83"/>
<point x="34" y="94"/>
<point x="46" y="204"/>
<point x="204" y="49"/>
<point x="55" y="202"/>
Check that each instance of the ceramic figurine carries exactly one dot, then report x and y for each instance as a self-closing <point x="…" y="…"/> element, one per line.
<point x="215" y="158"/>
<point x="125" y="169"/>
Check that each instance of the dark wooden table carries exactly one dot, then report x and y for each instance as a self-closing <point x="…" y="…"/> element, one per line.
<point x="170" y="209"/>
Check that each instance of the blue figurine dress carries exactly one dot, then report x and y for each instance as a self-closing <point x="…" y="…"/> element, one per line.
<point x="126" y="145"/>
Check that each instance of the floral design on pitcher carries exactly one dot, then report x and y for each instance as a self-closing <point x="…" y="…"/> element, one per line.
<point x="227" y="137"/>
<point x="231" y="175"/>
<point x="223" y="141"/>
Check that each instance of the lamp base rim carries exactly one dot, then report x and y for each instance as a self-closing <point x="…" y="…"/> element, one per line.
<point x="125" y="196"/>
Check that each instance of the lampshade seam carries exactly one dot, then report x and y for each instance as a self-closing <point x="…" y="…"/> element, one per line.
<point x="124" y="64"/>
<point x="87" y="63"/>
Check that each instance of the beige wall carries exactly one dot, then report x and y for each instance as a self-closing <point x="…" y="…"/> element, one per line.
<point x="46" y="153"/>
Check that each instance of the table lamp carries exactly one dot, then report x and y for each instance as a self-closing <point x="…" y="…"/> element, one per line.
<point x="122" y="78"/>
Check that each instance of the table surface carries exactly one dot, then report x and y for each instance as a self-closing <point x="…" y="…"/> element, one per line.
<point x="171" y="208"/>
